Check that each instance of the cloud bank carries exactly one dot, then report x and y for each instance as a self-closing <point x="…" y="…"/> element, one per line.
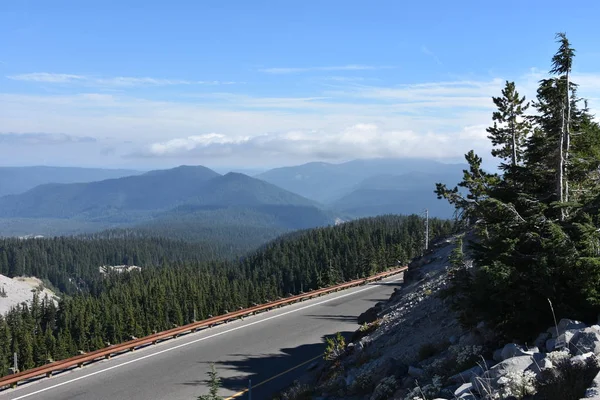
<point x="341" y="120"/>
<point x="366" y="140"/>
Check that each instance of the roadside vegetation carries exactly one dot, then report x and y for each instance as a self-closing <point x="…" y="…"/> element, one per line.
<point x="176" y="286"/>
<point x="536" y="224"/>
<point x="214" y="384"/>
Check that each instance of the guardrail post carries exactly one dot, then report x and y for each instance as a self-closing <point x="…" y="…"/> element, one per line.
<point x="48" y="374"/>
<point x="107" y="357"/>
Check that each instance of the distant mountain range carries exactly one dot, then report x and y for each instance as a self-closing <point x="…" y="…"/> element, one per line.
<point x="371" y="187"/>
<point x="15" y="180"/>
<point x="326" y="183"/>
<point x="409" y="193"/>
<point x="195" y="202"/>
<point x="195" y="198"/>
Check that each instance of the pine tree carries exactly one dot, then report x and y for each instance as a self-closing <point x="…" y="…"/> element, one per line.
<point x="561" y="64"/>
<point x="550" y="146"/>
<point x="477" y="184"/>
<point x="510" y="127"/>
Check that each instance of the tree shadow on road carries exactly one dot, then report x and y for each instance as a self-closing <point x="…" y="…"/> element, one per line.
<point x="339" y="318"/>
<point x="269" y="373"/>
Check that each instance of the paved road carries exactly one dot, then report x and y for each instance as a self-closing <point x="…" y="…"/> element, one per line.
<point x="259" y="348"/>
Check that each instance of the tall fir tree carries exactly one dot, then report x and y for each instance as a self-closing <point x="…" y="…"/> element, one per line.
<point x="510" y="128"/>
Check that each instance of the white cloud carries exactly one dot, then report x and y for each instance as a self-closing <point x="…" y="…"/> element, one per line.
<point x="435" y="119"/>
<point x="360" y="140"/>
<point x="46" y="77"/>
<point x="350" y="67"/>
<point x="182" y="145"/>
<point x="119" y="81"/>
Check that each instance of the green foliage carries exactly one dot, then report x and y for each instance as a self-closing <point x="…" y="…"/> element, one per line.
<point x="179" y="283"/>
<point x="537" y="224"/>
<point x="335" y="347"/>
<point x="214" y="383"/>
<point x="476" y="182"/>
<point x="457" y="256"/>
<point x="510" y="129"/>
<point x="364" y="330"/>
<point x="71" y="264"/>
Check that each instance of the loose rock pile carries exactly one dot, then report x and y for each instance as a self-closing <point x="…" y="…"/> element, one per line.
<point x="413" y="348"/>
<point x="518" y="372"/>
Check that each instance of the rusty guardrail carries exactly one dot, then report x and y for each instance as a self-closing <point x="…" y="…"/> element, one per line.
<point x="107" y="352"/>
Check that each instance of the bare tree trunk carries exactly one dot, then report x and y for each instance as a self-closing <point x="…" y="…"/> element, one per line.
<point x="514" y="147"/>
<point x="567" y="140"/>
<point x="561" y="164"/>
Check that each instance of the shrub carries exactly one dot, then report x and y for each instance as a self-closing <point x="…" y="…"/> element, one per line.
<point x="567" y="381"/>
<point x="214" y="382"/>
<point x="362" y="384"/>
<point x="385" y="389"/>
<point x="517" y="384"/>
<point x="364" y="330"/>
<point x="335" y="347"/>
<point x="466" y="356"/>
<point x="457" y="359"/>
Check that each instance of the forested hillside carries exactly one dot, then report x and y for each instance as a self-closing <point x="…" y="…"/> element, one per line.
<point x="71" y="264"/>
<point x="537" y="225"/>
<point x="187" y="202"/>
<point x="173" y="290"/>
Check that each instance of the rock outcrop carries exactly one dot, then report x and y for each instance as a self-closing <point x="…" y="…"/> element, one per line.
<point x="413" y="347"/>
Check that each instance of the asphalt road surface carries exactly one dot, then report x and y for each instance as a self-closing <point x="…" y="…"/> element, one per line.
<point x="271" y="349"/>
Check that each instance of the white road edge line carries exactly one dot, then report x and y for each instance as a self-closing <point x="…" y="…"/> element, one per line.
<point x="194" y="341"/>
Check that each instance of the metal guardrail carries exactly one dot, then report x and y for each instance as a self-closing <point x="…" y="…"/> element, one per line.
<point x="107" y="352"/>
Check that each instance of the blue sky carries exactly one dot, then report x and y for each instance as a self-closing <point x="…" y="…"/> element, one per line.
<point x="264" y="83"/>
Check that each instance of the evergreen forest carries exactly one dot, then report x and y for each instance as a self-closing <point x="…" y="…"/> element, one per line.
<point x="180" y="282"/>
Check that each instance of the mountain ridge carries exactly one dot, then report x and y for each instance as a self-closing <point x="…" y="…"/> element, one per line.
<point x="16" y="180"/>
<point x="328" y="182"/>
